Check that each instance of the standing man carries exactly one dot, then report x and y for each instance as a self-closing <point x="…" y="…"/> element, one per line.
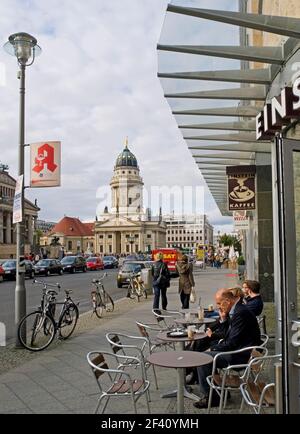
<point x="161" y="281"/>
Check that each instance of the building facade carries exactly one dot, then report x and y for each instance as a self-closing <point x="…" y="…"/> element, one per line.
<point x="69" y="235"/>
<point x="186" y="232"/>
<point x="127" y="228"/>
<point x="45" y="226"/>
<point x="7" y="229"/>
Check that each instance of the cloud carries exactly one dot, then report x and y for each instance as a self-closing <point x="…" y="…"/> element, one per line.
<point x="94" y="84"/>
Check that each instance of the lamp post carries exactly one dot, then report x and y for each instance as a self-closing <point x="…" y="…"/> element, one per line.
<point x="25" y="48"/>
<point x="131" y="240"/>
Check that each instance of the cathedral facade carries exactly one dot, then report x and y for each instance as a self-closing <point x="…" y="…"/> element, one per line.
<point x="126" y="228"/>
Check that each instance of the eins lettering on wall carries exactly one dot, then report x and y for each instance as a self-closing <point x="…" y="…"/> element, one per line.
<point x="279" y="112"/>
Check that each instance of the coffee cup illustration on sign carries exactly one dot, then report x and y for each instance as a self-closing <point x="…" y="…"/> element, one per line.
<point x="241" y="193"/>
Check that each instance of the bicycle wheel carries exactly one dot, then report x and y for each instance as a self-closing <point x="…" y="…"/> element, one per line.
<point x="36" y="331"/>
<point x="98" y="305"/>
<point x="68" y="321"/>
<point x="109" y="303"/>
<point x="143" y="291"/>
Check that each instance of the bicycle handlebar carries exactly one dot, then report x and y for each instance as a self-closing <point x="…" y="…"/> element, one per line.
<point x="45" y="284"/>
<point x="100" y="279"/>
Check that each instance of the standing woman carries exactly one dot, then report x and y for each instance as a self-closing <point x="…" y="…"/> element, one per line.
<point x="161" y="281"/>
<point x="186" y="280"/>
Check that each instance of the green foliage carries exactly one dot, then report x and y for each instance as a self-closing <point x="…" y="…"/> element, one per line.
<point x="241" y="260"/>
<point x="230" y="240"/>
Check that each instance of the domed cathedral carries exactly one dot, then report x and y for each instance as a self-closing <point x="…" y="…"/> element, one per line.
<point x="126" y="228"/>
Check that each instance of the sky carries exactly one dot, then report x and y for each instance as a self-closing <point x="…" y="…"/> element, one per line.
<point x="94" y="84"/>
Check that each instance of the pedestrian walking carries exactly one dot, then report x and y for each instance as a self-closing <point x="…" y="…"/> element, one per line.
<point x="161" y="281"/>
<point x="186" y="280"/>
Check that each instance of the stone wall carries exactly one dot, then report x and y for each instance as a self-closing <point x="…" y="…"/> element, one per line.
<point x="265" y="232"/>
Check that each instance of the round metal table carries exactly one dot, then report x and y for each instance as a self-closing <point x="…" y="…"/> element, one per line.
<point x="180" y="360"/>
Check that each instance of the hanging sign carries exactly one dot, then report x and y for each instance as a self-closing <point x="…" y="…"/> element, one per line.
<point x="241" y="221"/>
<point x="241" y="187"/>
<point x="18" y="206"/>
<point x="45" y="164"/>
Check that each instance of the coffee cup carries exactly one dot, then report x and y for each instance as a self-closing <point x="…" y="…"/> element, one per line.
<point x="210" y="307"/>
<point x="188" y="316"/>
<point x="241" y="192"/>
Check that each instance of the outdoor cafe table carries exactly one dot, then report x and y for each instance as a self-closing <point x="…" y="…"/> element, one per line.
<point x="194" y="321"/>
<point x="180" y="360"/>
<point x="163" y="336"/>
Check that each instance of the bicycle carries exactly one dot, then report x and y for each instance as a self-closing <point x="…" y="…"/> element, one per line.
<point x="136" y="288"/>
<point x="100" y="298"/>
<point x="37" y="330"/>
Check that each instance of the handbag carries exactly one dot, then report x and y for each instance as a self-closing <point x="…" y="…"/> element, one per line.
<point x="193" y="296"/>
<point x="162" y="281"/>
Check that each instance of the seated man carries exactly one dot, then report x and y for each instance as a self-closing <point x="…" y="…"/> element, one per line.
<point x="252" y="298"/>
<point x="214" y="333"/>
<point x="242" y="332"/>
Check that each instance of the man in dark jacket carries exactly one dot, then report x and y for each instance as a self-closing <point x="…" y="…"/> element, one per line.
<point x="253" y="299"/>
<point x="243" y="331"/>
<point x="161" y="281"/>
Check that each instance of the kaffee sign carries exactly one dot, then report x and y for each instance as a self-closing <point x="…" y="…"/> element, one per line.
<point x="279" y="112"/>
<point x="241" y="187"/>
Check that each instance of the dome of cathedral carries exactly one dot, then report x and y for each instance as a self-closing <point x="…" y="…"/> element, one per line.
<point x="126" y="158"/>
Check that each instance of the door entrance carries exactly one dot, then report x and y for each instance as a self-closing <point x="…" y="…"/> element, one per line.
<point x="288" y="175"/>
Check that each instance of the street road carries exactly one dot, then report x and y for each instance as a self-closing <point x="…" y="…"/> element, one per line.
<point x="79" y="282"/>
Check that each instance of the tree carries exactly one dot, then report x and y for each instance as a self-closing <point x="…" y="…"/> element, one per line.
<point x="230" y="240"/>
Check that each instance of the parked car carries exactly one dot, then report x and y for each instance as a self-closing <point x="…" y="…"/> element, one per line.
<point x="94" y="263"/>
<point x="10" y="267"/>
<point x="48" y="266"/>
<point x="1" y="273"/>
<point x="129" y="267"/>
<point x="110" y="262"/>
<point x="73" y="263"/>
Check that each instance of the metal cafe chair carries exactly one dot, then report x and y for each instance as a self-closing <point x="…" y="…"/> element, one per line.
<point x="117" y="382"/>
<point x="166" y="318"/>
<point x="223" y="380"/>
<point x="259" y="393"/>
<point x="147" y="331"/>
<point x="131" y="345"/>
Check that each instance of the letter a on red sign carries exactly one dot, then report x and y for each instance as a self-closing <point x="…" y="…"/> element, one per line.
<point x="45" y="164"/>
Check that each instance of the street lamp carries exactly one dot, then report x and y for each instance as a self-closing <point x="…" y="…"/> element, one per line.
<point x="25" y="48"/>
<point x="131" y="240"/>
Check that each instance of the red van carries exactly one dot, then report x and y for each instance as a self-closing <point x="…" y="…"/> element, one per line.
<point x="170" y="257"/>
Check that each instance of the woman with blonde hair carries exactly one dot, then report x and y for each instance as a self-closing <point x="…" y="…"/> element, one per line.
<point x="161" y="281"/>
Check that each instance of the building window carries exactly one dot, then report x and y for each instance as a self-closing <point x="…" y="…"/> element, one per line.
<point x="109" y="236"/>
<point x="129" y="201"/>
<point x="110" y="248"/>
<point x="136" y="235"/>
<point x="101" y="237"/>
<point x="69" y="245"/>
<point x="101" y="249"/>
<point x="127" y="248"/>
<point x="136" y="248"/>
<point x="149" y="236"/>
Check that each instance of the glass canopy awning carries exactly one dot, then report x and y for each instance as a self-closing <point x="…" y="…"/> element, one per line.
<point x="213" y="93"/>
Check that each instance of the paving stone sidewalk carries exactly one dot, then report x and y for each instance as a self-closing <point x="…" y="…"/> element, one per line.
<point x="59" y="380"/>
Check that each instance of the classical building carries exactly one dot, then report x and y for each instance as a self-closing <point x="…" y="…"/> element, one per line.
<point x="126" y="228"/>
<point x="186" y="232"/>
<point x="70" y="235"/>
<point x="7" y="230"/>
<point x="45" y="226"/>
